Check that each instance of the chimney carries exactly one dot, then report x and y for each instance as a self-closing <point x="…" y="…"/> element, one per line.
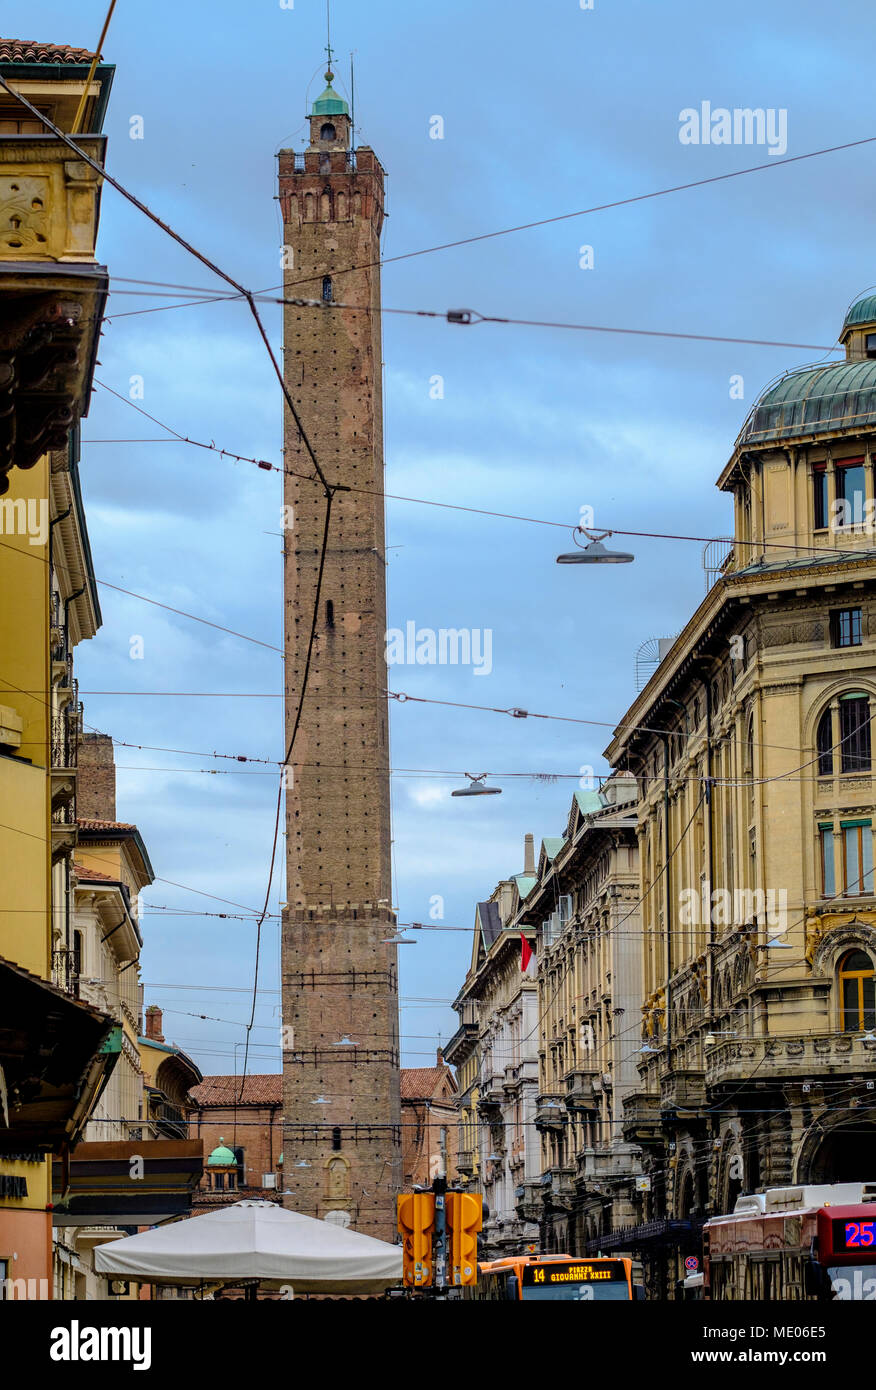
<point x="441" y="1056"/>
<point x="153" y="1023"/>
<point x="96" y="782"/>
<point x="529" y="855"/>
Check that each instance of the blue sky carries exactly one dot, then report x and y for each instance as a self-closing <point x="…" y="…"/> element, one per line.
<point x="547" y="109"/>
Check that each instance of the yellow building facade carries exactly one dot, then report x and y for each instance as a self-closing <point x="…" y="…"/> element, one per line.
<point x="51" y="299"/>
<point x="752" y="748"/>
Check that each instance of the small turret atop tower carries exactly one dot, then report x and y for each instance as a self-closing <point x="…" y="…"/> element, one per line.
<point x="330" y="124"/>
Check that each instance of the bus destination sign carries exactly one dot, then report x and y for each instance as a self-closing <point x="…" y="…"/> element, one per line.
<point x="566" y="1273"/>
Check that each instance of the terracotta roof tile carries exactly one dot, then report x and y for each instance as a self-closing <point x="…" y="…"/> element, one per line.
<point x="29" y="51"/>
<point x="86" y="823"/>
<point x="82" y="873"/>
<point x="264" y="1089"/>
<point x="421" y="1083"/>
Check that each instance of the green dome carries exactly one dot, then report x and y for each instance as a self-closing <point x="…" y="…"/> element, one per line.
<point x="221" y="1157"/>
<point x="330" y="103"/>
<point x="815" y="400"/>
<point x="862" y="311"/>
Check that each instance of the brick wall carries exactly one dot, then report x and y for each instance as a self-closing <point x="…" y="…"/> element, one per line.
<point x="96" y="784"/>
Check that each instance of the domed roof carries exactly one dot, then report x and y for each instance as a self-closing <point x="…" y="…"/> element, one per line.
<point x="862" y="311"/>
<point x="330" y="103"/>
<point x="221" y="1157"/>
<point x="815" y="400"/>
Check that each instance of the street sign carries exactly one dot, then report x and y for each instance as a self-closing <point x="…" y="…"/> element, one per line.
<point x="692" y="1264"/>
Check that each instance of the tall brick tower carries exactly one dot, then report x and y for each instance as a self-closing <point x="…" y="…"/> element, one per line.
<point x="342" y="1147"/>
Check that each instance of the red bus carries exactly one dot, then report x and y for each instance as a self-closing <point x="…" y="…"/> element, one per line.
<point x="794" y="1243"/>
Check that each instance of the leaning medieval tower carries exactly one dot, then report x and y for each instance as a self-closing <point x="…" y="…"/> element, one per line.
<point x="342" y="1147"/>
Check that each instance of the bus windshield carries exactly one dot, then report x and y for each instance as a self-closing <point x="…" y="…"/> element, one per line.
<point x="578" y="1292"/>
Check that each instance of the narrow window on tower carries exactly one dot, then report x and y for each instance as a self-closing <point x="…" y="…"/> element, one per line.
<point x="327" y="293"/>
<point x="329" y="613"/>
<point x="336" y="1138"/>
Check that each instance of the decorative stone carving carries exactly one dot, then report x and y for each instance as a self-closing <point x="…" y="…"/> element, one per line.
<point x="788" y="634"/>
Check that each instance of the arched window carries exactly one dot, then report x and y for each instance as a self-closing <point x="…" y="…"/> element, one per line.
<point x="329" y="613"/>
<point x="857" y="992"/>
<point x="328" y="132"/>
<point x="327" y="291"/>
<point x="854" y="711"/>
<point x="824" y="744"/>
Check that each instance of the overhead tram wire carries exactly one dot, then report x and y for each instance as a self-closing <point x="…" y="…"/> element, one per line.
<point x="584" y="212"/>
<point x="267" y="466"/>
<point x="144" y="598"/>
<point x="478" y="237"/>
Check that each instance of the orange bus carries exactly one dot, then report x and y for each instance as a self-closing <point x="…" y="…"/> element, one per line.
<point x="555" y="1278"/>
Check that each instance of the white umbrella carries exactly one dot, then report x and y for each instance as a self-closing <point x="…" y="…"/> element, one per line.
<point x="255" y="1240"/>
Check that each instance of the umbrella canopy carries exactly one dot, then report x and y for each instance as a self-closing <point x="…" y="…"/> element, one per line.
<point x="255" y="1240"/>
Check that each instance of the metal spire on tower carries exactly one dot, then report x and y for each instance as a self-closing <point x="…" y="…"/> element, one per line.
<point x="328" y="48"/>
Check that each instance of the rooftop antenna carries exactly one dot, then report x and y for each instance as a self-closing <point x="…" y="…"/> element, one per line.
<point x="352" y="104"/>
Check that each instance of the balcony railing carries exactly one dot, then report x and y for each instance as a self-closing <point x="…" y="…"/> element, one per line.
<point x="793" y="1057"/>
<point x="170" y="1120"/>
<point x="66" y="971"/>
<point x="465" y="1161"/>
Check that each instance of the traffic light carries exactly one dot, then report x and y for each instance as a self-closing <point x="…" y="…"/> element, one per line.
<point x="416" y="1222"/>
<point x="464" y="1220"/>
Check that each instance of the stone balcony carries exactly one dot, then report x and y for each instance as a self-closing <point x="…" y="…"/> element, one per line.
<point x="52" y="293"/>
<point x="641" y="1122"/>
<point x="491" y="1093"/>
<point x="794" y="1057"/>
<point x="528" y="1202"/>
<point x="550" y="1113"/>
<point x="558" y="1189"/>
<point x="465" y="1162"/>
<point x="580" y="1094"/>
<point x="683" y="1091"/>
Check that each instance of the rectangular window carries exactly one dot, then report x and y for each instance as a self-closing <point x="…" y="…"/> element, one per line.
<point x="819" y="484"/>
<point x="846" y="628"/>
<point x="857" y="858"/>
<point x="828" y="876"/>
<point x="851" y="492"/>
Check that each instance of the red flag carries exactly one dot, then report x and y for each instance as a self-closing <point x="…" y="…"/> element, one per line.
<point x="525" y="952"/>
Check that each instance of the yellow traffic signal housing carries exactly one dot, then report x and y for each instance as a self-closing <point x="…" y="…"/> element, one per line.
<point x="464" y="1220"/>
<point x="416" y="1223"/>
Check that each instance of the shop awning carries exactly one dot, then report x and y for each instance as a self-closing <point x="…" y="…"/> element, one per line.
<point x="138" y="1182"/>
<point x="56" y="1054"/>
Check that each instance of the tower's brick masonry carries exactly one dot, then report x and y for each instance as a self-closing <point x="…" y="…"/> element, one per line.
<point x="340" y="978"/>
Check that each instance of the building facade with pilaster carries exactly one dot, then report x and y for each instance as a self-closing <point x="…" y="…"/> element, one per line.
<point x="584" y="909"/>
<point x="752" y="747"/>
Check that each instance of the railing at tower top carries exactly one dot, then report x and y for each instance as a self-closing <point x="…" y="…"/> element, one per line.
<point x="323" y="161"/>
